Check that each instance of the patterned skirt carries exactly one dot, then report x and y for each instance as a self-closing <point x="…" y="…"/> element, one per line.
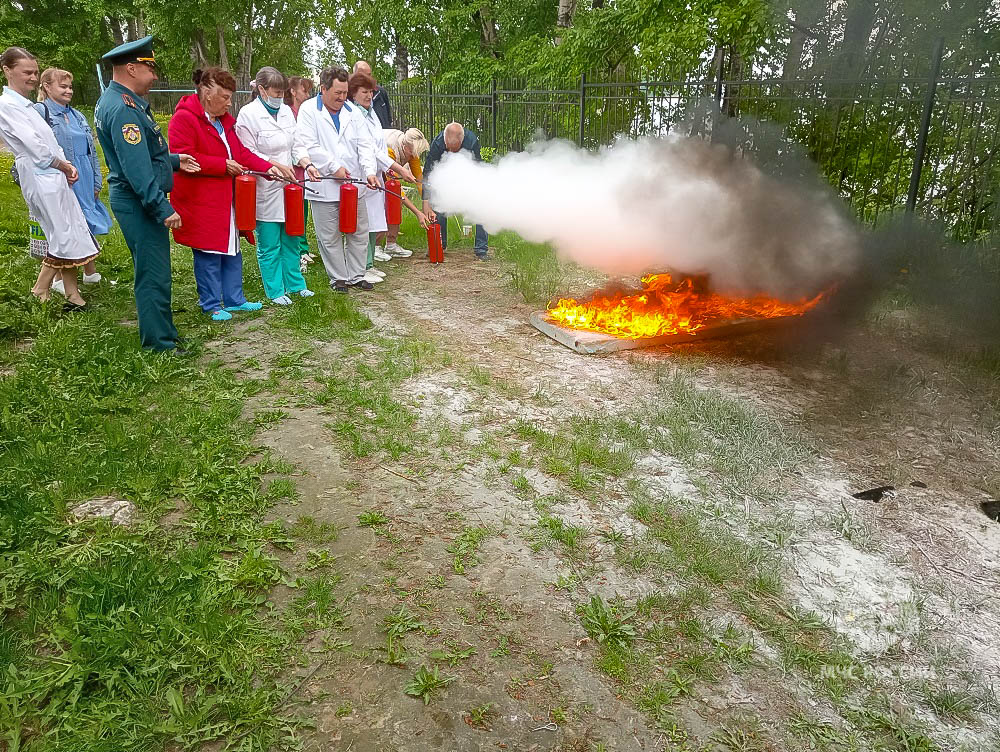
<point x="38" y="247"/>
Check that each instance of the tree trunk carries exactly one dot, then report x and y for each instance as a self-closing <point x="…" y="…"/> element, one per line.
<point x="857" y="33"/>
<point x="564" y="17"/>
<point x="115" y="26"/>
<point x="223" y="53"/>
<point x="401" y="62"/>
<point x="198" y="56"/>
<point x="488" y="36"/>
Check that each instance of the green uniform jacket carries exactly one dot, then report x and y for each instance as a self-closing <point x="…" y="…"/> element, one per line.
<point x="141" y="166"/>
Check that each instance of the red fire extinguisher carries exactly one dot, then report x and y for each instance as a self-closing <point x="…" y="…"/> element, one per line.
<point x="246" y="203"/>
<point x="295" y="215"/>
<point x="393" y="202"/>
<point x="438" y="244"/>
<point x="432" y="243"/>
<point x="348" y="207"/>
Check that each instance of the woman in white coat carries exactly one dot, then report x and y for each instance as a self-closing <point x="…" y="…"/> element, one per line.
<point x="45" y="176"/>
<point x="360" y="89"/>
<point x="266" y="126"/>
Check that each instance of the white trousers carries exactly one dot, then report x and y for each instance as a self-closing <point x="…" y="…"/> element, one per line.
<point x="345" y="256"/>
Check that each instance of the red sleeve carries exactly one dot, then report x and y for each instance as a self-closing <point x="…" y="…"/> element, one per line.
<point x="182" y="134"/>
<point x="244" y="156"/>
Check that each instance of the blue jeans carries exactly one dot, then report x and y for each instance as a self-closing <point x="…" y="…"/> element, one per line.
<point x="220" y="280"/>
<point x="482" y="239"/>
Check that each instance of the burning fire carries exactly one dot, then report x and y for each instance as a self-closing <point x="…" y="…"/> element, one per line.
<point x="666" y="306"/>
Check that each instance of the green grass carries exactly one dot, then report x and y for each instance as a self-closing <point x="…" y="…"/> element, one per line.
<point x="533" y="270"/>
<point x="465" y="548"/>
<point x="155" y="636"/>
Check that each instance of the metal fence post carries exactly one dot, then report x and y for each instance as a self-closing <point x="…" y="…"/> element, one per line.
<point x="493" y="109"/>
<point x="431" y="133"/>
<point x="925" y="126"/>
<point x="583" y="108"/>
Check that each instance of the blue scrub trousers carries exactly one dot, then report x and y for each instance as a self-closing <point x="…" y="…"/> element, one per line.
<point x="482" y="239"/>
<point x="220" y="280"/>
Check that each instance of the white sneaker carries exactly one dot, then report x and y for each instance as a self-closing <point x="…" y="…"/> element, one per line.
<point x="57" y="286"/>
<point x="373" y="278"/>
<point x="381" y="255"/>
<point x="303" y="264"/>
<point x="394" y="249"/>
<point x="306" y="293"/>
<point x="379" y="272"/>
<point x="92" y="279"/>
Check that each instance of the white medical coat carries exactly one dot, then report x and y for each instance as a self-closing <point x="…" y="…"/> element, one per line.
<point x="376" y="199"/>
<point x="271" y="139"/>
<point x="317" y="138"/>
<point x="44" y="188"/>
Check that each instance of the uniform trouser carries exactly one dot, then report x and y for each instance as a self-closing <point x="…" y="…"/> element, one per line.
<point x="278" y="258"/>
<point x="149" y="243"/>
<point x="370" y="261"/>
<point x="482" y="239"/>
<point x="304" y="241"/>
<point x="344" y="255"/>
<point x="220" y="280"/>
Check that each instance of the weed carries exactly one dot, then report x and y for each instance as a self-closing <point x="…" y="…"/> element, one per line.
<point x="480" y="716"/>
<point x="606" y="624"/>
<point x="315" y="532"/>
<point x="453" y="655"/>
<point x="372" y="518"/>
<point x="427" y="682"/>
<point x="318" y="559"/>
<point x="465" y="547"/>
<point x="344" y="710"/>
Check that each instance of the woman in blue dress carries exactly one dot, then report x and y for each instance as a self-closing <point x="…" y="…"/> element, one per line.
<point x="72" y="131"/>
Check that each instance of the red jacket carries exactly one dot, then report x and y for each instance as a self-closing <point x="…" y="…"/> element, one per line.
<point x="205" y="199"/>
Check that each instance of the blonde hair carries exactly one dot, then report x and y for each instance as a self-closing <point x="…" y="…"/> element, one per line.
<point x="51" y="76"/>
<point x="414" y="139"/>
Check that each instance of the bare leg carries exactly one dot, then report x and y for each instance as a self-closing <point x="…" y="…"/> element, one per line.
<point x="45" y="276"/>
<point x="380" y="238"/>
<point x="90" y="267"/>
<point x="71" y="286"/>
<point x="393" y="234"/>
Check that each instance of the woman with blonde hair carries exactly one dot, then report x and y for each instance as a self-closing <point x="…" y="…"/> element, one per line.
<point x="45" y="176"/>
<point x="405" y="147"/>
<point x="74" y="136"/>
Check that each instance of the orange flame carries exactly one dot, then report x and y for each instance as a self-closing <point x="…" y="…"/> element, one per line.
<point x="664" y="306"/>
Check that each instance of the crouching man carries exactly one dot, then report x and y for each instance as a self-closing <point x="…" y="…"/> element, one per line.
<point x="334" y="139"/>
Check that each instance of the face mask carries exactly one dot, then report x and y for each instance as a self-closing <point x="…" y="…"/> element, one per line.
<point x="274" y="102"/>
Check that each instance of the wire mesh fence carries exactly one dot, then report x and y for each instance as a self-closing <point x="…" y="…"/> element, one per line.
<point x="930" y="139"/>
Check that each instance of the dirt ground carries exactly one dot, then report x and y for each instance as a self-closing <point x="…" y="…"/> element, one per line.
<point x="909" y="582"/>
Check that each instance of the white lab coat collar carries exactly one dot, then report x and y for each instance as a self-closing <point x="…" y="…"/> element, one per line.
<point x="16" y="98"/>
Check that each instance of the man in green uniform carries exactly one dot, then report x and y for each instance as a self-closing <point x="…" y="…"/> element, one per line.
<point x="141" y="174"/>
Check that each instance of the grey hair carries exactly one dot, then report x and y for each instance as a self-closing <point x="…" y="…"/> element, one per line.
<point x="268" y="77"/>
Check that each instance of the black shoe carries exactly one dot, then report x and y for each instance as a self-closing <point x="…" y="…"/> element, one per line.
<point x="74" y="307"/>
<point x="340" y="287"/>
<point x="364" y="285"/>
<point x="480" y="257"/>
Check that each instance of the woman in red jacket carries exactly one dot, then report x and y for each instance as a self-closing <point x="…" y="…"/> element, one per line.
<point x="203" y="125"/>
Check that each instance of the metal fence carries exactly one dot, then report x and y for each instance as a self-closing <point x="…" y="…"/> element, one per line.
<point x="924" y="141"/>
<point x="888" y="143"/>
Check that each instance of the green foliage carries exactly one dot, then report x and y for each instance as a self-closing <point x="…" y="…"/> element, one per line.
<point x="607" y="624"/>
<point x="426" y="683"/>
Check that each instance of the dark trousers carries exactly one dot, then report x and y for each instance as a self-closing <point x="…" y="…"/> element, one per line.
<point x="220" y="280"/>
<point x="482" y="239"/>
<point x="149" y="243"/>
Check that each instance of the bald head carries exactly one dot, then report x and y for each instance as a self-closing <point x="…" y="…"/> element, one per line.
<point x="454" y="135"/>
<point x="362" y="67"/>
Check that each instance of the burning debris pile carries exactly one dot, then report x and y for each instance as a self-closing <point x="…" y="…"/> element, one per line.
<point x="667" y="306"/>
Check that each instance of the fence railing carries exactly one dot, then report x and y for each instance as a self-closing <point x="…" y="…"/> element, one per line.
<point x="924" y="142"/>
<point x="927" y="142"/>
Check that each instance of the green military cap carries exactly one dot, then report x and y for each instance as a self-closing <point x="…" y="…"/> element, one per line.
<point x="139" y="51"/>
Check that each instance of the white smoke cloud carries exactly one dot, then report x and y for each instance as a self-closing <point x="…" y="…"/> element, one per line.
<point x="678" y="204"/>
